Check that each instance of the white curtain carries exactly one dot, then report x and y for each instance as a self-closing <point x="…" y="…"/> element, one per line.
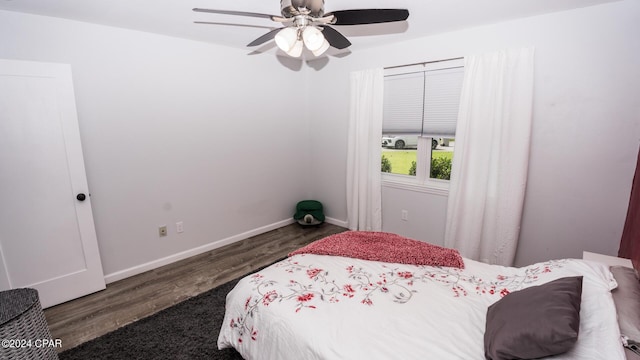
<point x="489" y="171"/>
<point x="364" y="198"/>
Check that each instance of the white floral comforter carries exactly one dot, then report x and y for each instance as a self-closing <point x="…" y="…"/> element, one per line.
<point x="331" y="307"/>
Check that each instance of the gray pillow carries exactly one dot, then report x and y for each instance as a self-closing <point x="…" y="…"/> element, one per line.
<point x="627" y="299"/>
<point x="534" y="322"/>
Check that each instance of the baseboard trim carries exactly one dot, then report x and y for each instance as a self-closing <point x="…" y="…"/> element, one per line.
<point x="336" y="222"/>
<point x="139" y="269"/>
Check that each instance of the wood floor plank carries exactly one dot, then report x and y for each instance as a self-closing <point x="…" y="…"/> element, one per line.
<point x="136" y="297"/>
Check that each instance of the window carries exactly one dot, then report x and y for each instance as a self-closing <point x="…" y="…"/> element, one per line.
<point x="418" y="130"/>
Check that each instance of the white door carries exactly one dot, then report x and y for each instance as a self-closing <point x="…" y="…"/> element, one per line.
<point x="47" y="235"/>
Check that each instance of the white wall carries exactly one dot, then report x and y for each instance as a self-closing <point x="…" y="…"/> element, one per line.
<point x="174" y="130"/>
<point x="586" y="127"/>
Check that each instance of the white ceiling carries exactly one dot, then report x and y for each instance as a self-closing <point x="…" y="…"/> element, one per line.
<point x="175" y="17"/>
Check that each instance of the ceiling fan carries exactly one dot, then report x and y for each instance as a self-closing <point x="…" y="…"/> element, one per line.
<point x="305" y="24"/>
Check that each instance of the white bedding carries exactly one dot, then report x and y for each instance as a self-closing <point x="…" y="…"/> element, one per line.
<point x="331" y="307"/>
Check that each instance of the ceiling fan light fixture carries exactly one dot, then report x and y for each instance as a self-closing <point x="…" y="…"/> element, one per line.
<point x="322" y="49"/>
<point x="306" y="25"/>
<point x="286" y="39"/>
<point x="313" y="38"/>
<point x="296" y="50"/>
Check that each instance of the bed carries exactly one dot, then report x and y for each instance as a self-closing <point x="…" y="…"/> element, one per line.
<point x="364" y="295"/>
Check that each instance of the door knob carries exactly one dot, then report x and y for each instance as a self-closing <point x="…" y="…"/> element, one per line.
<point x="81" y="197"/>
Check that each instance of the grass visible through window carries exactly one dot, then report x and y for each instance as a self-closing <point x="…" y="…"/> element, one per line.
<point x="400" y="160"/>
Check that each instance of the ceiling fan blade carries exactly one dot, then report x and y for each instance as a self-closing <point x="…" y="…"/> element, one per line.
<point x="240" y="13"/>
<point x="368" y="16"/>
<point x="232" y="24"/>
<point x="334" y="38"/>
<point x="264" y="38"/>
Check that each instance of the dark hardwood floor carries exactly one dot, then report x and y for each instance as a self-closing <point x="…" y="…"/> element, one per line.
<point x="128" y="300"/>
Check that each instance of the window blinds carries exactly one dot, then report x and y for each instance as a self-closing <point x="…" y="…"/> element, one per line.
<point x="403" y="104"/>
<point x="422" y="103"/>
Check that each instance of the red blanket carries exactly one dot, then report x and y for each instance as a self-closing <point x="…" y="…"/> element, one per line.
<point x="386" y="247"/>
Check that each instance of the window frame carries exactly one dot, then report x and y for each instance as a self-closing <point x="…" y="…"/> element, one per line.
<point x="421" y="182"/>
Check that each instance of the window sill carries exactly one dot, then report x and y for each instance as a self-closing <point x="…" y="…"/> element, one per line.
<point x="433" y="187"/>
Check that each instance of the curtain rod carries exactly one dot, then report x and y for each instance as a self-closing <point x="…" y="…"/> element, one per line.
<point x="423" y="63"/>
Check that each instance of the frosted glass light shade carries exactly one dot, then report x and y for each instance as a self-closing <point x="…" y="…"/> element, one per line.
<point x="313" y="38"/>
<point x="322" y="49"/>
<point x="296" y="50"/>
<point x="286" y="38"/>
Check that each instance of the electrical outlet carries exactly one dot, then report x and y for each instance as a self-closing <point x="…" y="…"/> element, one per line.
<point x="404" y="215"/>
<point x="179" y="227"/>
<point x="162" y="230"/>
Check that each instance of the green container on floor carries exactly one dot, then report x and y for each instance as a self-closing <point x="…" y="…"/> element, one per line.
<point x="309" y="213"/>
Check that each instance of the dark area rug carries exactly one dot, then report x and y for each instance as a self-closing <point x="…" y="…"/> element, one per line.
<point x="188" y="330"/>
